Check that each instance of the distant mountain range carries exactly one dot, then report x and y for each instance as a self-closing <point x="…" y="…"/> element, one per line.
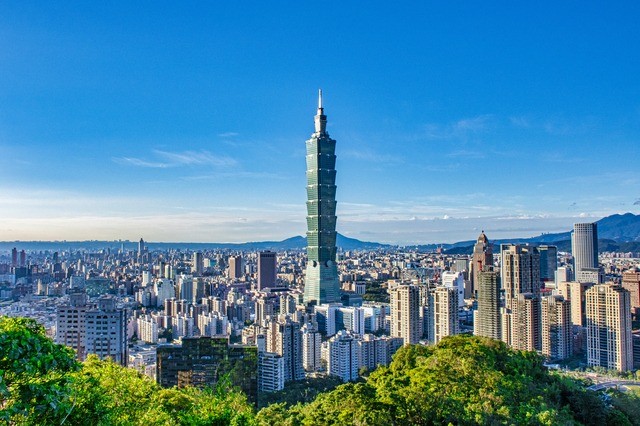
<point x="615" y="233"/>
<point x="618" y="232"/>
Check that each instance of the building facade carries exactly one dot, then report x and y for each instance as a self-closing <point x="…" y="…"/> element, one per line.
<point x="321" y="281"/>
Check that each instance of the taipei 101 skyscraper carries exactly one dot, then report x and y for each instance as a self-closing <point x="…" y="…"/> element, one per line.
<point x="321" y="284"/>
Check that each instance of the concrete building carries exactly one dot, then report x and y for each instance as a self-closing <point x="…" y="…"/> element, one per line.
<point x="343" y="356"/>
<point x="235" y="267"/>
<point x="311" y="348"/>
<point x="456" y="280"/>
<point x="525" y="323"/>
<point x="197" y="264"/>
<point x="609" y="340"/>
<point x="556" y="329"/>
<point x="71" y="323"/>
<point x="444" y="308"/>
<point x="487" y="317"/>
<point x="106" y="331"/>
<point x="405" y="313"/>
<point x="270" y="372"/>
<point x="284" y="337"/>
<point x="631" y="283"/>
<point x="574" y="292"/>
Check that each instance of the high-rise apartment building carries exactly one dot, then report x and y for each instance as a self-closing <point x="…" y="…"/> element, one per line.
<point x="405" y="313"/>
<point x="520" y="282"/>
<point x="71" y="325"/>
<point x="106" y="331"/>
<point x="321" y="281"/>
<point x="482" y="256"/>
<point x="270" y="372"/>
<point x="444" y="308"/>
<point x="284" y="337"/>
<point x="487" y="317"/>
<point x="574" y="292"/>
<point x="609" y="339"/>
<point x="631" y="283"/>
<point x="311" y="348"/>
<point x="266" y="270"/>
<point x="584" y="248"/>
<point x="343" y="356"/>
<point x="556" y="329"/>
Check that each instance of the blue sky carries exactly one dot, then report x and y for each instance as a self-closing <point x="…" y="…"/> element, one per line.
<point x="187" y="122"/>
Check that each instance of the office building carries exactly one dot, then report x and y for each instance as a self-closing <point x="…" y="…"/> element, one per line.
<point x="405" y="313"/>
<point x="202" y="361"/>
<point x="235" y="267"/>
<point x="609" y="343"/>
<point x="584" y="248"/>
<point x="321" y="281"/>
<point x="266" y="270"/>
<point x="548" y="262"/>
<point x="482" y="256"/>
<point x="197" y="264"/>
<point x="556" y="330"/>
<point x="487" y="317"/>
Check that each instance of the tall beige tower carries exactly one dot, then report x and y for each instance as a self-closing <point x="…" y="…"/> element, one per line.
<point x="556" y="330"/>
<point x="445" y="312"/>
<point x="405" y="313"/>
<point x="609" y="343"/>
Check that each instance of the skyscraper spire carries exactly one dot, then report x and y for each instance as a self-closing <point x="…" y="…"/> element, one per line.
<point x="320" y="119"/>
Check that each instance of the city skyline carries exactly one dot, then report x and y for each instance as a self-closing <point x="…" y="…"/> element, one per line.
<point x="182" y="124"/>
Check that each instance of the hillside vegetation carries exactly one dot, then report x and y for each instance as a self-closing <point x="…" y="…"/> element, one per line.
<point x="462" y="380"/>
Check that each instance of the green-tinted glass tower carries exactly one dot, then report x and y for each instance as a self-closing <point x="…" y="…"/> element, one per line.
<point x="321" y="284"/>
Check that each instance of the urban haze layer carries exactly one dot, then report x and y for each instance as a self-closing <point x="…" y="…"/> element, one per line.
<point x="183" y="316"/>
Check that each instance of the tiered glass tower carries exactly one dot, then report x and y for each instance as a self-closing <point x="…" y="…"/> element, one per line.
<point x="321" y="285"/>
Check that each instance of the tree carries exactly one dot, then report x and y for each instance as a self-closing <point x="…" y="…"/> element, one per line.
<point x="35" y="382"/>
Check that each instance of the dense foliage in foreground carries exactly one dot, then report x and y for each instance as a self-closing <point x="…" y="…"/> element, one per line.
<point x="462" y="380"/>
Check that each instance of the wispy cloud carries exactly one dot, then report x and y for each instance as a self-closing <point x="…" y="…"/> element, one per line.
<point x="371" y="156"/>
<point x="166" y="159"/>
<point x="459" y="129"/>
<point x="227" y="134"/>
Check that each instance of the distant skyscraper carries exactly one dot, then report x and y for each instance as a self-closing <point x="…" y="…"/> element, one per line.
<point x="444" y="308"/>
<point x="520" y="278"/>
<point x="321" y="282"/>
<point x="584" y="248"/>
<point x="548" y="262"/>
<point x="609" y="339"/>
<point x="482" y="256"/>
<point x="14" y="257"/>
<point x="487" y="317"/>
<point x="266" y="269"/>
<point x="198" y="263"/>
<point x="405" y="313"/>
<point x="631" y="283"/>
<point x="556" y="329"/>
<point x="235" y="267"/>
<point x="141" y="249"/>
